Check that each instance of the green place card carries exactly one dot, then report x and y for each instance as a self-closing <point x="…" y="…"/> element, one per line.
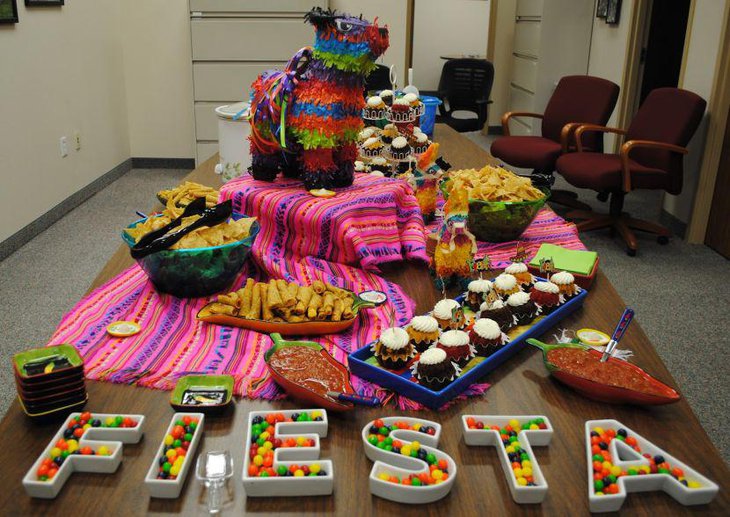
<point x="575" y="261"/>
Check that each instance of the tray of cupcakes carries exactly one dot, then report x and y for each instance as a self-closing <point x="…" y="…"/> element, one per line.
<point x="439" y="355"/>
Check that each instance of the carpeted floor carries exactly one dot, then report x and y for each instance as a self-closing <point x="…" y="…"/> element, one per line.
<point x="677" y="290"/>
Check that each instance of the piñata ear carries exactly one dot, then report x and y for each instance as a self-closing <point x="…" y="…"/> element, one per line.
<point x="319" y="17"/>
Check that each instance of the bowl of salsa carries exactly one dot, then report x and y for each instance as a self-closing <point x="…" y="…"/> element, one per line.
<point x="615" y="381"/>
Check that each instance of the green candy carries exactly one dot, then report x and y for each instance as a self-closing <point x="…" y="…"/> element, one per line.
<point x="414" y="454"/>
<point x="388" y="441"/>
<point x="611" y="478"/>
<point x="598" y="485"/>
<point x="177" y="443"/>
<point x="384" y="431"/>
<point x="431" y="459"/>
<point x="263" y="474"/>
<point x="416" y="482"/>
<point x="381" y="445"/>
<point x="388" y="448"/>
<point x="632" y="472"/>
<point x="260" y="442"/>
<point x="598" y="457"/>
<point x="373" y="440"/>
<point x="193" y="425"/>
<point x="188" y="437"/>
<point x="166" y="466"/>
<point x="281" y="470"/>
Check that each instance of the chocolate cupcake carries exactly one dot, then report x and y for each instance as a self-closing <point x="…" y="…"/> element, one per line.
<point x="423" y="331"/>
<point x="399" y="148"/>
<point x="547" y="296"/>
<point x="566" y="283"/>
<point x="505" y="285"/>
<point x="523" y="308"/>
<point x="434" y="369"/>
<point x="372" y="147"/>
<point x="456" y="345"/>
<point x="500" y="313"/>
<point x="387" y="96"/>
<point x="361" y="166"/>
<point x="374" y="108"/>
<point x="487" y="337"/>
<point x="449" y="315"/>
<point x="521" y="273"/>
<point x="389" y="132"/>
<point x="380" y="164"/>
<point x="476" y="293"/>
<point x="420" y="143"/>
<point x="393" y="350"/>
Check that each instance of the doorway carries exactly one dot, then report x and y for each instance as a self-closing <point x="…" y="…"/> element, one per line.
<point x="662" y="49"/>
<point x="718" y="229"/>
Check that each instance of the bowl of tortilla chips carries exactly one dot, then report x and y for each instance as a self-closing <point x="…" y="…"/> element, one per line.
<point x="501" y="204"/>
<point x="203" y="262"/>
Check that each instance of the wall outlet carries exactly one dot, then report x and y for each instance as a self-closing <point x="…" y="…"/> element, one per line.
<point x="77" y="140"/>
<point x="64" y="147"/>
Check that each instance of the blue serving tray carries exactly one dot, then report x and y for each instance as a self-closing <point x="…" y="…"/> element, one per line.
<point x="363" y="364"/>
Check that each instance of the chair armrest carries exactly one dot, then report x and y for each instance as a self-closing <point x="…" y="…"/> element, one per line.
<point x="510" y="114"/>
<point x="566" y="133"/>
<point x="631" y="144"/>
<point x="592" y="127"/>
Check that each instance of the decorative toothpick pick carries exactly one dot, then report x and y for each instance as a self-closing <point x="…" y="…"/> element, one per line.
<point x="547" y="266"/>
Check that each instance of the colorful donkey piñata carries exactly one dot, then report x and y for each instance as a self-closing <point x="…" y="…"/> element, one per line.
<point x="305" y="119"/>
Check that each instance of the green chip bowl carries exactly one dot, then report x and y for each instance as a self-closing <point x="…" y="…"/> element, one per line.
<point x="196" y="272"/>
<point x="500" y="221"/>
<point x="188" y="382"/>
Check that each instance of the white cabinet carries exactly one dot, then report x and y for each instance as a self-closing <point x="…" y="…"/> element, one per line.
<point x="233" y="41"/>
<point x="551" y="40"/>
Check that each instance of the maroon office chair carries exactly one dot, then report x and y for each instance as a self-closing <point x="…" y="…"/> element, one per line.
<point x="577" y="99"/>
<point x="651" y="158"/>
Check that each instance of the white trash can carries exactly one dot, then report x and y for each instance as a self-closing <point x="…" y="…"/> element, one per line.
<point x="233" y="146"/>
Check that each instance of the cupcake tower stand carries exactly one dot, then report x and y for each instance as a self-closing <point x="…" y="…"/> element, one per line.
<point x="402" y="120"/>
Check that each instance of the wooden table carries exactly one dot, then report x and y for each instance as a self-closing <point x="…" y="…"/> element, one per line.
<point x="520" y="386"/>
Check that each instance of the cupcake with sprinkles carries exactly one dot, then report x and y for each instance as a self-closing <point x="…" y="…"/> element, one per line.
<point x="393" y="350"/>
<point x="521" y="273"/>
<point x="505" y="285"/>
<point x="389" y="132"/>
<point x="500" y="313"/>
<point x="457" y="346"/>
<point x="477" y="293"/>
<point x="547" y="296"/>
<point x="566" y="283"/>
<point x="434" y="370"/>
<point x="372" y="147"/>
<point x="399" y="148"/>
<point x="449" y="315"/>
<point x="374" y="108"/>
<point x="487" y="337"/>
<point x="523" y="308"/>
<point x="423" y="331"/>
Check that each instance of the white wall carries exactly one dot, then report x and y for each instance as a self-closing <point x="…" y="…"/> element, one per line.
<point x="608" y="56"/>
<point x="502" y="59"/>
<point x="441" y="28"/>
<point x="158" y="76"/>
<point x="389" y="12"/>
<point x="704" y="45"/>
<point x="62" y="71"/>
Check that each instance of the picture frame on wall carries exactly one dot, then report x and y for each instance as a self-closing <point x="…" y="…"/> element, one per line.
<point x="8" y="11"/>
<point x="601" y="8"/>
<point x="33" y="3"/>
<point x="613" y="12"/>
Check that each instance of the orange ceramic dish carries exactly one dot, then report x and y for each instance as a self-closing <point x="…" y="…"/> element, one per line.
<point x="305" y="328"/>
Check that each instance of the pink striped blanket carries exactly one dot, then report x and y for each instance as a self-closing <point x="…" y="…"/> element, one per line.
<point x="374" y="221"/>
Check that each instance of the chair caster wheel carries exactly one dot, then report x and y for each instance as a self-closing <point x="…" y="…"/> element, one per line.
<point x="603" y="196"/>
<point x="631" y="252"/>
<point x="663" y="240"/>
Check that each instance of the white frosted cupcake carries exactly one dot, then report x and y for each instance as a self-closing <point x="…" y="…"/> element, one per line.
<point x="457" y="346"/>
<point x="476" y="293"/>
<point x="387" y="96"/>
<point x="380" y="164"/>
<point x="399" y="148"/>
<point x="420" y="143"/>
<point x="449" y="315"/>
<point x="520" y="271"/>
<point x="487" y="337"/>
<point x="434" y="369"/>
<point x="374" y="108"/>
<point x="500" y="313"/>
<point x="505" y="285"/>
<point x="393" y="350"/>
<point x="423" y="331"/>
<point x="401" y="111"/>
<point x="366" y="133"/>
<point x="372" y="147"/>
<point x="523" y="308"/>
<point x="361" y="166"/>
<point x="547" y="296"/>
<point x="566" y="283"/>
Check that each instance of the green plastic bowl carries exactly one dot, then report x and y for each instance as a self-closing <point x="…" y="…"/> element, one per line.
<point x="499" y="221"/>
<point x="196" y="272"/>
